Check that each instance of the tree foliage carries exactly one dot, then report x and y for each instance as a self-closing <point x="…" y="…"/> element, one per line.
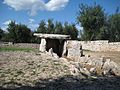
<point x="50" y="26"/>
<point x="97" y="25"/>
<point x="92" y="19"/>
<point x="19" y="32"/>
<point x="114" y="27"/>
<point x="70" y="30"/>
<point x="42" y="27"/>
<point x="57" y="28"/>
<point x="1" y="33"/>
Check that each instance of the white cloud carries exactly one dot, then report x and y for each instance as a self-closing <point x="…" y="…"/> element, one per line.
<point x="31" y="5"/>
<point x="53" y="5"/>
<point x="35" y="5"/>
<point x="80" y="28"/>
<point x="31" y="20"/>
<point x="4" y="28"/>
<point x="32" y="24"/>
<point x="7" y="22"/>
<point x="5" y="25"/>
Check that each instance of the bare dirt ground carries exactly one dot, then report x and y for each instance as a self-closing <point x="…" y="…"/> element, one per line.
<point x="26" y="68"/>
<point x="21" y="70"/>
<point x="114" y="56"/>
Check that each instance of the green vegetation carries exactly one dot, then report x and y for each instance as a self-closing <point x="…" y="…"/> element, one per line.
<point x="16" y="49"/>
<point x="20" y="33"/>
<point x="114" y="27"/>
<point x="97" y="25"/>
<point x="1" y="33"/>
<point x="58" y="28"/>
<point x="92" y="18"/>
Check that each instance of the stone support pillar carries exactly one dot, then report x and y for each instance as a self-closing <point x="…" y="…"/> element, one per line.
<point x="64" y="49"/>
<point x="42" y="45"/>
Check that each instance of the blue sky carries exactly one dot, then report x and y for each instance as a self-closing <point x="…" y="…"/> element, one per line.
<point x="31" y="13"/>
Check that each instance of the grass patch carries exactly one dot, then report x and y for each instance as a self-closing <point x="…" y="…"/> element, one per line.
<point x="16" y="49"/>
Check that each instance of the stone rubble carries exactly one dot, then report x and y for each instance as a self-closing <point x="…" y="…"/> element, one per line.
<point x="27" y="68"/>
<point x="91" y="65"/>
<point x="52" y="54"/>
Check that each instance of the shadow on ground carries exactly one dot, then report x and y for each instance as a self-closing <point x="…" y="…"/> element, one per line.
<point x="73" y="83"/>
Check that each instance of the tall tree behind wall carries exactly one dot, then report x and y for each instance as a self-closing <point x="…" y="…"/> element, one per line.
<point x="42" y="27"/>
<point x="92" y="19"/>
<point x="50" y="26"/>
<point x="114" y="26"/>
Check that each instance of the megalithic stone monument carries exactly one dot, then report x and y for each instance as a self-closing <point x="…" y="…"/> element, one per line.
<point x="55" y="41"/>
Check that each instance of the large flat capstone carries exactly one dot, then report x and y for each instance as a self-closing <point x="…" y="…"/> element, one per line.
<point x="52" y="36"/>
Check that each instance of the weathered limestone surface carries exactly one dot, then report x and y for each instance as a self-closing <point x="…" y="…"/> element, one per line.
<point x="52" y="54"/>
<point x="42" y="45"/>
<point x="89" y="65"/>
<point x="101" y="45"/>
<point x="54" y="41"/>
<point x="64" y="49"/>
<point x="93" y="67"/>
<point x="73" y="50"/>
<point x="83" y="65"/>
<point x="52" y="36"/>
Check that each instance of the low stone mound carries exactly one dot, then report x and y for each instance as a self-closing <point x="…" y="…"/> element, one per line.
<point x="93" y="66"/>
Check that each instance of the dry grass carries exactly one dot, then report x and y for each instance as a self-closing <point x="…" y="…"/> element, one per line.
<point x="115" y="56"/>
<point x="21" y="68"/>
<point x="26" y="68"/>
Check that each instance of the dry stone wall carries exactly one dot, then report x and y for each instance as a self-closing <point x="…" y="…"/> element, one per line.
<point x="102" y="45"/>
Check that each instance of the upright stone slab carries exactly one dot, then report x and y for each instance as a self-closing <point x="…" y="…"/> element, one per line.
<point x="42" y="45"/>
<point x="74" y="51"/>
<point x="64" y="49"/>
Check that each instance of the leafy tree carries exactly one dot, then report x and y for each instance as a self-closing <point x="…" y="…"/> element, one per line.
<point x="1" y="33"/>
<point x="5" y="37"/>
<point x="104" y="33"/>
<point x="42" y="27"/>
<point x="19" y="33"/>
<point x="73" y="31"/>
<point x="70" y="30"/>
<point x="50" y="26"/>
<point x="92" y="19"/>
<point x="114" y="27"/>
<point x="12" y="31"/>
<point x="58" y="28"/>
<point x="23" y="33"/>
<point x="66" y="29"/>
<point x="34" y="39"/>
